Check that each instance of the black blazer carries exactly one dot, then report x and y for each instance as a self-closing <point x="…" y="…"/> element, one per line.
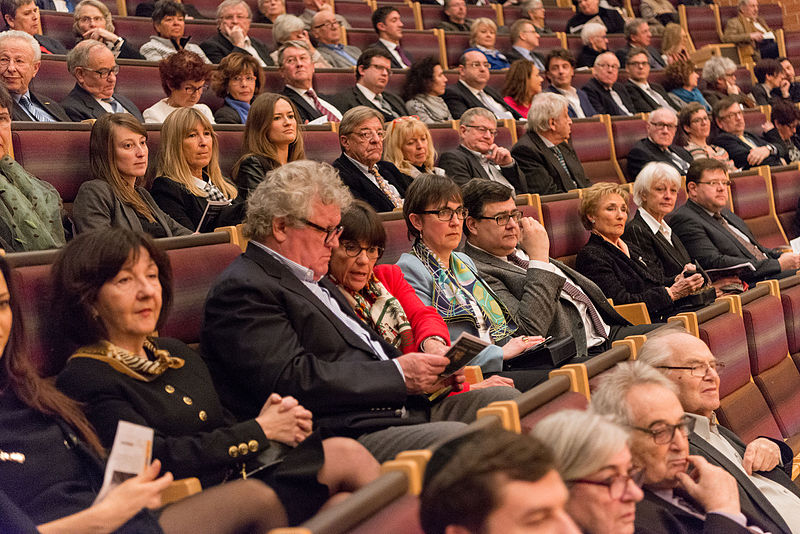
<point x="543" y="172"/>
<point x="218" y="46"/>
<point x="601" y="100"/>
<point x="54" y="46"/>
<point x="80" y="105"/>
<point x="227" y="115"/>
<point x="512" y="55"/>
<point x="759" y="94"/>
<point x="654" y="515"/>
<point x="395" y="64"/>
<point x="459" y="99"/>
<point x="12" y="519"/>
<point x="50" y="105"/>
<point x="645" y="151"/>
<point x="187" y="209"/>
<point x="250" y="173"/>
<point x="587" y="56"/>
<point x="307" y="111"/>
<point x="667" y="256"/>
<point x="644" y="103"/>
<point x="362" y="188"/>
<point x="462" y="166"/>
<point x="126" y="51"/>
<point x="714" y="247"/>
<point x="653" y="57"/>
<point x="353" y="97"/>
<point x="738" y="150"/>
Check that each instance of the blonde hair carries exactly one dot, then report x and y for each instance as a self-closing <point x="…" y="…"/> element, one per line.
<point x="476" y="25"/>
<point x="397" y="133"/>
<point x="592" y="196"/>
<point x="172" y="161"/>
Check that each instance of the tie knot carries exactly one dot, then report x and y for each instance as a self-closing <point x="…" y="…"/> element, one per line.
<point x="311" y="93"/>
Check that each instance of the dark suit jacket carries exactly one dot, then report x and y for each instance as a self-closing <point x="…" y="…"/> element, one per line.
<point x="459" y="99"/>
<point x="395" y="64"/>
<point x="250" y="171"/>
<point x="654" y="515"/>
<point x="667" y="256"/>
<point x="364" y="189"/>
<point x="187" y="209"/>
<point x="50" y="105"/>
<point x="760" y="95"/>
<point x="12" y="519"/>
<point x="80" y="105"/>
<point x="738" y="150"/>
<point x="218" y="46"/>
<point x="227" y="115"/>
<point x="512" y="55"/>
<point x="587" y="56"/>
<point x="653" y="57"/>
<point x="644" y="103"/>
<point x="586" y="105"/>
<point x="353" y="97"/>
<point x="714" y="247"/>
<point x="306" y="110"/>
<point x="645" y="151"/>
<point x="543" y="172"/>
<point x="54" y="46"/>
<point x="462" y="166"/>
<point x="601" y="100"/>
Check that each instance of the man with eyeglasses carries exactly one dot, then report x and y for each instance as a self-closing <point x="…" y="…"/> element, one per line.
<point x="715" y="236"/>
<point x="233" y="24"/>
<point x="524" y="41"/>
<point x="658" y="145"/>
<point x="638" y="35"/>
<point x="372" y="74"/>
<point x="683" y="493"/>
<point x="297" y="70"/>
<point x="606" y="94"/>
<point x="646" y="96"/>
<point x="95" y="70"/>
<point x="313" y="7"/>
<point x="471" y="90"/>
<point x="762" y="468"/>
<point x="327" y="30"/>
<point x="746" y="149"/>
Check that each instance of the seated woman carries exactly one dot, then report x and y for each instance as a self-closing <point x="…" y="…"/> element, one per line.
<point x="268" y="11"/>
<point x="423" y="89"/>
<point x="675" y="43"/>
<point x="184" y="78"/>
<point x="271" y="139"/>
<point x="111" y="198"/>
<point x="111" y="288"/>
<point x="409" y="145"/>
<point x="238" y="79"/>
<point x="188" y="174"/>
<point x="482" y="37"/>
<point x="694" y="128"/>
<point x="169" y="24"/>
<point x="680" y="79"/>
<point x="595" y="42"/>
<point x="523" y="82"/>
<point x="93" y="21"/>
<point x="292" y="28"/>
<point x="785" y="118"/>
<point x="621" y="270"/>
<point x="595" y="463"/>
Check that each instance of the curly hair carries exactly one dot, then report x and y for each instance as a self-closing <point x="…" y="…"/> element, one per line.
<point x="233" y="65"/>
<point x="180" y="67"/>
<point x="677" y="74"/>
<point x="419" y="78"/>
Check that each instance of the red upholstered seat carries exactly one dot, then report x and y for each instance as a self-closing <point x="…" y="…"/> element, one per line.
<point x="591" y="139"/>
<point x="455" y="44"/>
<point x="560" y="219"/>
<point x="59" y="26"/>
<point x="751" y="202"/>
<point x="397" y="240"/>
<point x="754" y="119"/>
<point x="445" y="139"/>
<point x="702" y="24"/>
<point x="555" y="17"/>
<point x="548" y="43"/>
<point x="792" y="40"/>
<point x="432" y="15"/>
<point x="322" y="145"/>
<point x="790" y="300"/>
<point x="33" y="291"/>
<point x="626" y="132"/>
<point x="358" y="14"/>
<point x="786" y="191"/>
<point x="420" y="43"/>
<point x="209" y="7"/>
<point x="399" y="517"/>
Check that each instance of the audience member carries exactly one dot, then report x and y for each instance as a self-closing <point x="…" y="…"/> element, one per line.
<point x="238" y="80"/>
<point x="327" y="31"/>
<point x="95" y="70"/>
<point x="524" y="41"/>
<point x="111" y="198"/>
<point x="290" y="28"/>
<point x="93" y="21"/>
<point x="271" y="139"/>
<point x="424" y="85"/>
<point x="372" y="75"/>
<point x="675" y="43"/>
<point x="745" y="148"/>
<point x="590" y="10"/>
<point x="645" y="95"/>
<point x="478" y="156"/>
<point x="719" y="75"/>
<point x="483" y="38"/>
<point x="388" y="25"/>
<point x="184" y="78"/>
<point x="361" y="167"/>
<point x="620" y="270"/>
<point x="328" y="359"/>
<point x="595" y="42"/>
<point x="269" y="10"/>
<point x="718" y="238"/>
<point x="534" y="11"/>
<point x="606" y="94"/>
<point x="523" y="82"/>
<point x="20" y="57"/>
<point x="680" y="79"/>
<point x="560" y="71"/>
<point x="169" y="24"/>
<point x="62" y="6"/>
<point x="145" y="9"/>
<point x="772" y="82"/>
<point x="23" y="15"/>
<point x="472" y="90"/>
<point x="233" y="25"/>
<point x="659" y="145"/>
<point x="297" y="71"/>
<point x="188" y="174"/>
<point x="544" y="155"/>
<point x="311" y="8"/>
<point x="494" y="482"/>
<point x="785" y="117"/>
<point x="455" y="16"/>
<point x="638" y="35"/>
<point x="751" y="33"/>
<point x="694" y="127"/>
<point x="409" y="147"/>
<point x="794" y="86"/>
<point x="658" y="14"/>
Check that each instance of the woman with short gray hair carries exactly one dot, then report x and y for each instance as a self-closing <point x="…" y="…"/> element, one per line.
<point x="595" y="42"/>
<point x="291" y="28"/>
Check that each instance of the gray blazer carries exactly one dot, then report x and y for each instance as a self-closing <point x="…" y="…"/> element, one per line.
<point x="96" y="206"/>
<point x="336" y="61"/>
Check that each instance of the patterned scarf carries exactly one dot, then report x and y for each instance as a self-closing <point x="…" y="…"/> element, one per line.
<point x="133" y="365"/>
<point x="453" y="288"/>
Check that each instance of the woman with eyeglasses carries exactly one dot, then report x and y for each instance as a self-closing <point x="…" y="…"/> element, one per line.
<point x="92" y="20"/>
<point x="184" y="78"/>
<point x="680" y="79"/>
<point x="595" y="463"/>
<point x="409" y="146"/>
<point x="694" y="128"/>
<point x="238" y="80"/>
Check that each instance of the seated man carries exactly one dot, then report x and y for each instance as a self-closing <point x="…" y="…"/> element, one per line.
<point x="658" y="145"/>
<point x="706" y="499"/>
<point x="389" y="27"/>
<point x="233" y="25"/>
<point x="751" y="33"/>
<point x="297" y="71"/>
<point x="793" y="92"/>
<point x="455" y="15"/>
<point x="590" y="11"/>
<point x="762" y="468"/>
<point x="328" y="33"/>
<point x="638" y="35"/>
<point x="372" y="75"/>
<point x="23" y="15"/>
<point x="20" y="56"/>
<point x="494" y="482"/>
<point x="95" y="69"/>
<point x="715" y="236"/>
<point x="376" y="182"/>
<point x="273" y="323"/>
<point x="313" y="7"/>
<point x="772" y="82"/>
<point x="606" y="94"/>
<point x="479" y="157"/>
<point x="645" y="95"/>
<point x="560" y="71"/>
<point x="595" y="42"/>
<point x="544" y="155"/>
<point x="524" y="40"/>
<point x="746" y="149"/>
<point x="534" y="11"/>
<point x="471" y="90"/>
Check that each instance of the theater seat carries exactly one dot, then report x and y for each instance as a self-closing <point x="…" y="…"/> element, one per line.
<point x="33" y="293"/>
<point x="785" y="182"/>
<point x="397" y="239"/>
<point x="433" y="15"/>
<point x="358" y="14"/>
<point x="790" y="301"/>
<point x="700" y="22"/>
<point x="626" y="132"/>
<point x="560" y="219"/>
<point x="321" y="144"/>
<point x="548" y="397"/>
<point x="591" y="139"/>
<point x="751" y="195"/>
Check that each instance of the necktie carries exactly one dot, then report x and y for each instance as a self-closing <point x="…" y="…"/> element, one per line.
<point x="387" y="190"/>
<point x="115" y="106"/>
<point x="322" y="109"/>
<point x="563" y="162"/>
<point x="385" y="107"/>
<point x="658" y="98"/>
<point x="403" y="56"/>
<point x="618" y="101"/>
<point x="39" y="115"/>
<point x="339" y="49"/>
<point x="754" y="250"/>
<point x="680" y="163"/>
<point x="747" y="141"/>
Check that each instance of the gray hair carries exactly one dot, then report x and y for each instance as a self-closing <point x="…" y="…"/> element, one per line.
<point x="529" y="5"/>
<point x="742" y="3"/>
<point x="659" y="349"/>
<point x="650" y="175"/>
<point x="291" y="44"/>
<point x="226" y="4"/>
<point x="23" y="36"/>
<point x="717" y="67"/>
<point x="632" y="26"/>
<point x="661" y="111"/>
<point x="355" y="116"/>
<point x="611" y="395"/>
<point x="598" y="59"/>
<point x="545" y="106"/>
<point x="591" y="30"/>
<point x="290" y="191"/>
<point x="284" y="25"/>
<point x="582" y="441"/>
<point x="471" y="113"/>
<point x="100" y="6"/>
<point x="79" y="56"/>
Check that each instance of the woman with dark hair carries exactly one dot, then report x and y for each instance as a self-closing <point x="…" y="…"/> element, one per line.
<point x="238" y="79"/>
<point x="92" y="20"/>
<point x="785" y="117"/>
<point x="271" y="139"/>
<point x="110" y="291"/>
<point x="169" y="23"/>
<point x="111" y="198"/>
<point x="184" y="78"/>
<point x="694" y="128"/>
<point x="423" y="90"/>
<point x="523" y="82"/>
<point x="680" y="79"/>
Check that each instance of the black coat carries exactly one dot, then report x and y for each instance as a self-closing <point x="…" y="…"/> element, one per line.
<point x="126" y="51"/>
<point x="654" y="515"/>
<point x="543" y="172"/>
<point x="308" y="112"/>
<point x="645" y="151"/>
<point x="54" y="46"/>
<point x="659" y="254"/>
<point x="459" y="99"/>
<point x="353" y="97"/>
<point x="218" y="46"/>
<point x="80" y="105"/>
<point x="738" y="150"/>
<point x="644" y="103"/>
<point x="601" y="100"/>
<point x="610" y="18"/>
<point x="187" y="209"/>
<point x="587" y="56"/>
<point x="251" y="172"/>
<point x="227" y="115"/>
<point x="50" y="105"/>
<point x="362" y="188"/>
<point x="462" y="166"/>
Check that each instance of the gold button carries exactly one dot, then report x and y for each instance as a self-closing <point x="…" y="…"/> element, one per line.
<point x="233" y="451"/>
<point x="253" y="444"/>
<point x="202" y="415"/>
<point x="169" y="389"/>
<point x="243" y="449"/>
<point x="187" y="400"/>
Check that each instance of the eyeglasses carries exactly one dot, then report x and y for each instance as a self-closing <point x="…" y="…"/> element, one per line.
<point x="502" y="218"/>
<point x="478" y="64"/>
<point x="607" y="66"/>
<point x="104" y="73"/>
<point x="699" y="370"/>
<point x="235" y="17"/>
<point x="191" y="90"/>
<point x="381" y="68"/>
<point x="660" y="125"/>
<point x="483" y="130"/>
<point x="716" y="183"/>
<point x="332" y="25"/>
<point x="243" y="79"/>
<point x="367" y="135"/>
<point x="638" y="63"/>
<point x="446" y="214"/>
<point x="330" y="233"/>
<point x="698" y="120"/>
<point x="354" y="250"/>
<point x="663" y="433"/>
<point x="739" y="113"/>
<point x="616" y="485"/>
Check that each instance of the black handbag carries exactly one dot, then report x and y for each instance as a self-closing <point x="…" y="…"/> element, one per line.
<point x="549" y="355"/>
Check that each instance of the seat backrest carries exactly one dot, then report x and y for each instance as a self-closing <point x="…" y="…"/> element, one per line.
<point x="327" y="82"/>
<point x="701" y="22"/>
<point x="772" y="13"/>
<point x="432" y="15"/>
<point x="626" y="132"/>
<point x="33" y="293"/>
<point x="726" y="13"/>
<point x="358" y="14"/>
<point x="397" y="240"/>
<point x="549" y="397"/>
<point x="792" y="40"/>
<point x="399" y="517"/>
<point x="591" y="140"/>
<point x="230" y="146"/>
<point x="790" y="300"/>
<point x="548" y="43"/>
<point x="556" y="18"/>
<point x="455" y="44"/>
<point x="561" y="220"/>
<point x="59" y="26"/>
<point x="445" y="140"/>
<point x="752" y="202"/>
<point x="754" y="119"/>
<point x="322" y="145"/>
<point x="785" y="192"/>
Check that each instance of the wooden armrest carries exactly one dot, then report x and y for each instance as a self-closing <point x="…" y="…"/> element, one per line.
<point x="180" y="489"/>
<point x="473" y="374"/>
<point x="635" y="312"/>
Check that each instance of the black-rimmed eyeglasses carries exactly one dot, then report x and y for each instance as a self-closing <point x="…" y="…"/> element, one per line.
<point x="446" y="214"/>
<point x="330" y="232"/>
<point x="663" y="433"/>
<point x="354" y="250"/>
<point x="616" y="485"/>
<point x="698" y="370"/>
<point x="502" y="218"/>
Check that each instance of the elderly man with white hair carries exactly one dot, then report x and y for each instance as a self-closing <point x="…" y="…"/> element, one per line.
<point x="595" y="42"/>
<point x="544" y="155"/>
<point x="659" y="145"/>
<point x="605" y="93"/>
<point x="535" y="12"/>
<point x="762" y="467"/>
<point x="233" y="24"/>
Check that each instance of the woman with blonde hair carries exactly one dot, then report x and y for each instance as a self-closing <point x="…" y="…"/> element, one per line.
<point x="188" y="174"/>
<point x="675" y="43"/>
<point x="409" y="146"/>
<point x="483" y="38"/>
<point x="92" y="20"/>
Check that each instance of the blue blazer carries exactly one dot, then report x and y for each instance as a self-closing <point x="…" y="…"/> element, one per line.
<point x="586" y="106"/>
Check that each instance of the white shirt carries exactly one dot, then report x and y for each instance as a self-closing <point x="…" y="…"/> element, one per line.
<point x="492" y="170"/>
<point x="655" y="226"/>
<point x="248" y="45"/>
<point x="327" y="105"/>
<point x="644" y="86"/>
<point x="493" y="105"/>
<point x="571" y="95"/>
<point x="732" y="227"/>
<point x="392" y="48"/>
<point x="161" y="110"/>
